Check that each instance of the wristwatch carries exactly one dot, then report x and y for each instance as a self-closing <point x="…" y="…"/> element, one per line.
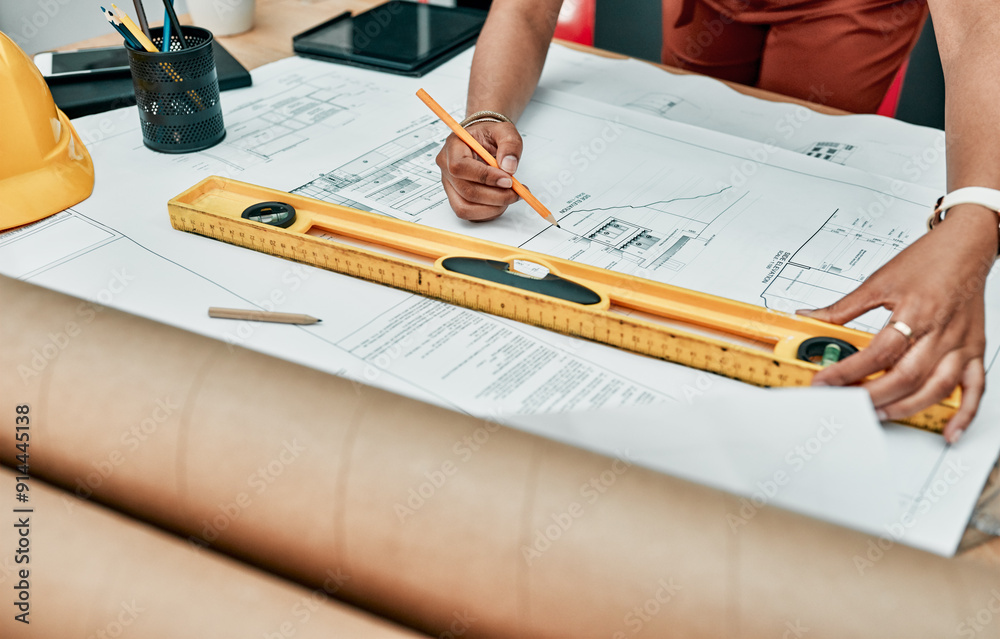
<point x="989" y="198"/>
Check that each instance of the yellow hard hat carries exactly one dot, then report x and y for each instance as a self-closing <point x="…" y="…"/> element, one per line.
<point x="44" y="167"/>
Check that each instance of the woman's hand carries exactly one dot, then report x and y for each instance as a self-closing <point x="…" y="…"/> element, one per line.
<point x="477" y="191"/>
<point x="936" y="288"/>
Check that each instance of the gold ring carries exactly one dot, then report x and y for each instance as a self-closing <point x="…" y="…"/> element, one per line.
<point x="904" y="330"/>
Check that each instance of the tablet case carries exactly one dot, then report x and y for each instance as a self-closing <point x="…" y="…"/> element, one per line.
<point x="78" y="96"/>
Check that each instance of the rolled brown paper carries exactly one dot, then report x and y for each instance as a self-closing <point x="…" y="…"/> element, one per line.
<point x="94" y="573"/>
<point x="447" y="523"/>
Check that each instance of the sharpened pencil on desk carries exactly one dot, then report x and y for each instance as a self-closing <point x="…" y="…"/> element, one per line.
<point x="474" y="144"/>
<point x="261" y="316"/>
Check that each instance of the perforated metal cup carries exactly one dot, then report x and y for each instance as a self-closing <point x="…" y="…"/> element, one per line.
<point x="177" y="93"/>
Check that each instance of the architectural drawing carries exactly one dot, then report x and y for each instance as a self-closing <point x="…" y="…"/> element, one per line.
<point x="645" y="195"/>
<point x="400" y="177"/>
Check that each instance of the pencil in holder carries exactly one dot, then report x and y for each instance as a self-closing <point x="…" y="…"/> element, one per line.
<point x="177" y="93"/>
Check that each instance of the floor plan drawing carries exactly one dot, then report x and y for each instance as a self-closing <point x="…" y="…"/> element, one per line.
<point x="261" y="129"/>
<point x="399" y="178"/>
<point x="655" y="238"/>
<point x="841" y="255"/>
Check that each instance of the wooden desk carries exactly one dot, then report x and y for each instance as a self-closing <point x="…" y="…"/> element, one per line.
<point x="271" y="40"/>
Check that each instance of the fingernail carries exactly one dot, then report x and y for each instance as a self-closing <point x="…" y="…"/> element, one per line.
<point x="954" y="437"/>
<point x="804" y="311"/>
<point x="882" y="417"/>
<point x="818" y="384"/>
<point x="505" y="183"/>
<point x="509" y="164"/>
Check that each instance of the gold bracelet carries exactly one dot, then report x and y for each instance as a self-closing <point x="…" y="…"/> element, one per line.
<point x="484" y="114"/>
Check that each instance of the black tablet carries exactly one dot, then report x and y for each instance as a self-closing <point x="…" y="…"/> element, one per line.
<point x="399" y="37"/>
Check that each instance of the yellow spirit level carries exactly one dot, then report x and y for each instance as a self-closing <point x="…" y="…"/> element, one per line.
<point x="730" y="338"/>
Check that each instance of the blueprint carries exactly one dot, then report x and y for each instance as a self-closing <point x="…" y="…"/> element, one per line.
<point x="867" y="142"/>
<point x="634" y="191"/>
<point x="662" y="220"/>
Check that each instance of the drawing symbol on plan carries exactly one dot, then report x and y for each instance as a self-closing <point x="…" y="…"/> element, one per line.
<point x="658" y="104"/>
<point x="666" y="106"/>
<point x="833" y="151"/>
<point x="636" y="243"/>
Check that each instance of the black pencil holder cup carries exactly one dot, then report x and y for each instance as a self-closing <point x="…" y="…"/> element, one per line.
<point x="177" y="93"/>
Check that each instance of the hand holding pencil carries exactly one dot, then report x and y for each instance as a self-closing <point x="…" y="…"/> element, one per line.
<point x="477" y="191"/>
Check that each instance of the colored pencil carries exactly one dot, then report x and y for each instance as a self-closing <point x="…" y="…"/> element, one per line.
<point x="175" y="23"/>
<point x="113" y="21"/>
<point x="146" y="43"/>
<point x="140" y="13"/>
<point x="166" y="30"/>
<point x="466" y="137"/>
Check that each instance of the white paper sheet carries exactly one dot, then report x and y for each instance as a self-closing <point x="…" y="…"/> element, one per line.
<point x="784" y="447"/>
<point x="779" y="231"/>
<point x="867" y="142"/>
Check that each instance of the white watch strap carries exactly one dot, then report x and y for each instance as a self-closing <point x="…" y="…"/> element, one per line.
<point x="990" y="198"/>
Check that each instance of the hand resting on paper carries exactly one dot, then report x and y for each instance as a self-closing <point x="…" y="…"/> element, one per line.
<point x="937" y="291"/>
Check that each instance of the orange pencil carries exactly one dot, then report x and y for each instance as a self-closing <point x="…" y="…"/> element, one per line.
<point x="474" y="144"/>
